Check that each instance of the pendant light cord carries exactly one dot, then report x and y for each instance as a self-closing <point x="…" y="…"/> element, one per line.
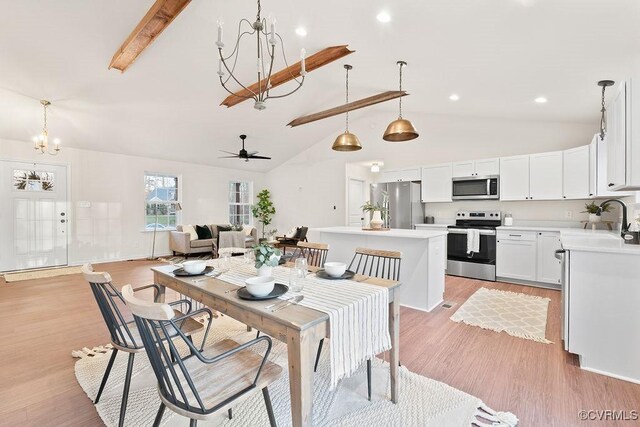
<point x="347" y="98"/>
<point x="259" y="10"/>
<point x="400" y="115"/>
<point x="45" y="118"/>
<point x="603" y="119"/>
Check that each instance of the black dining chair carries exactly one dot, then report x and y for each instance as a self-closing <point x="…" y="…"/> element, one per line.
<point x="208" y="380"/>
<point x="299" y="236"/>
<point x="373" y="263"/>
<point x="125" y="335"/>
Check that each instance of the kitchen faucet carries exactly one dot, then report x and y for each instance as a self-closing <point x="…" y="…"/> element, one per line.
<point x="624" y="229"/>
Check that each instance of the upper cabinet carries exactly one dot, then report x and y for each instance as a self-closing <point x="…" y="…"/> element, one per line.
<point x="599" y="180"/>
<point x="483" y="167"/>
<point x="514" y="178"/>
<point x="545" y="176"/>
<point x="623" y="139"/>
<point x="400" y="175"/>
<point x="436" y="183"/>
<point x="576" y="175"/>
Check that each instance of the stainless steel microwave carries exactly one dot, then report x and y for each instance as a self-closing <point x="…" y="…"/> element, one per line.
<point x="476" y="188"/>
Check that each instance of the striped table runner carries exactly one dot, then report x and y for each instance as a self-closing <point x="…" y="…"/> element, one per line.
<point x="358" y="314"/>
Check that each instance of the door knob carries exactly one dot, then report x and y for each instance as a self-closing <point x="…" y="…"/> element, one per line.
<point x="62" y="214"/>
<point x="63" y="221"/>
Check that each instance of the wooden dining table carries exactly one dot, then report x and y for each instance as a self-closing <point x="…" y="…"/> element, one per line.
<point x="301" y="328"/>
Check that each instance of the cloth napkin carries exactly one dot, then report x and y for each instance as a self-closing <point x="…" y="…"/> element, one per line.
<point x="473" y="241"/>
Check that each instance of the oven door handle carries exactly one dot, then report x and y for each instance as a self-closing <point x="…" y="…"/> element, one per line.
<point x="463" y="231"/>
<point x="559" y="254"/>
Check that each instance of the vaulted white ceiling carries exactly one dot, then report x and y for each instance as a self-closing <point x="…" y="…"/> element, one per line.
<point x="498" y="55"/>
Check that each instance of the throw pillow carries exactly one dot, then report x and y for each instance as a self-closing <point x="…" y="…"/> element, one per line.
<point x="203" y="232"/>
<point x="247" y="230"/>
<point x="193" y="235"/>
<point x="291" y="233"/>
<point x="224" y="228"/>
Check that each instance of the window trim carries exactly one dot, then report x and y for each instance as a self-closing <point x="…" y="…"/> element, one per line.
<point x="178" y="177"/>
<point x="249" y="203"/>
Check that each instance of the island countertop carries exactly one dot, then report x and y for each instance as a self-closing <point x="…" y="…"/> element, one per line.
<point x="395" y="232"/>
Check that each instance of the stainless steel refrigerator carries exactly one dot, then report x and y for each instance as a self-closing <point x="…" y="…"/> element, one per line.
<point x="405" y="206"/>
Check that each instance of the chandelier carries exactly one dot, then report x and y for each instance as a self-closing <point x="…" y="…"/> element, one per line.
<point x="42" y="141"/>
<point x="266" y="42"/>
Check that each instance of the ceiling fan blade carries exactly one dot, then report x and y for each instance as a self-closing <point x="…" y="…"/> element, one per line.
<point x="229" y="152"/>
<point x="260" y="157"/>
<point x="252" y="153"/>
<point x="229" y="157"/>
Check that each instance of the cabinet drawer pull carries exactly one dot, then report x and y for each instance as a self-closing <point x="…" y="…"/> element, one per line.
<point x="611" y="184"/>
<point x="515" y="235"/>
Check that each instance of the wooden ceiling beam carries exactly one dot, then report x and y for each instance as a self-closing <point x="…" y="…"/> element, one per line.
<point x="313" y="62"/>
<point x="161" y="14"/>
<point x="355" y="105"/>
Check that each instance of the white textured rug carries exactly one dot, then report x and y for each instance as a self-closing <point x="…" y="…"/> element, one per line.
<point x="422" y="401"/>
<point x="19" y="276"/>
<point x="519" y="315"/>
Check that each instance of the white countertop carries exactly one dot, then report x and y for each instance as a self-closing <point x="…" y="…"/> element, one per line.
<point x="609" y="242"/>
<point x="432" y="225"/>
<point x="538" y="228"/>
<point x="410" y="234"/>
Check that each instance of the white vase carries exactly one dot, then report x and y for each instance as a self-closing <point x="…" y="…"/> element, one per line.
<point x="594" y="218"/>
<point x="376" y="220"/>
<point x="265" y="271"/>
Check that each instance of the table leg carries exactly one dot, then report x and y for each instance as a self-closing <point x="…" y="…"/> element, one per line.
<point x="163" y="289"/>
<point x="300" y="348"/>
<point x="394" y="331"/>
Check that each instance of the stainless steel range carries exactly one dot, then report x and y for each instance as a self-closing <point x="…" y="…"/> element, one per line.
<point x="477" y="265"/>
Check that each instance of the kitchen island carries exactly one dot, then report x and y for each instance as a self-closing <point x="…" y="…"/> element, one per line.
<point x="601" y="297"/>
<point x="423" y="258"/>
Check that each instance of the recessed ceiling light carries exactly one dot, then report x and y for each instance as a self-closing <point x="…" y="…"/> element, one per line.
<point x="454" y="97"/>
<point x="383" y="16"/>
<point x="301" y="32"/>
<point x="541" y="100"/>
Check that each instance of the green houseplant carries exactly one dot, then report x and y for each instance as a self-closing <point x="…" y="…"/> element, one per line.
<point x="592" y="210"/>
<point x="264" y="210"/>
<point x="378" y="213"/>
<point x="267" y="257"/>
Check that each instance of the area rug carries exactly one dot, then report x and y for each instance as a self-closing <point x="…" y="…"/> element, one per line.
<point x="39" y="274"/>
<point x="519" y="315"/>
<point x="422" y="401"/>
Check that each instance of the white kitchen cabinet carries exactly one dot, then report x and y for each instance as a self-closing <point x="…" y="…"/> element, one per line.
<point x="545" y="176"/>
<point x="516" y="253"/>
<point x="514" y="178"/>
<point x="400" y="175"/>
<point x="482" y="167"/>
<point x="549" y="268"/>
<point x="593" y="167"/>
<point x="486" y="167"/>
<point x="576" y="173"/>
<point x="623" y="139"/>
<point x="436" y="183"/>
<point x="464" y="169"/>
<point x="599" y="180"/>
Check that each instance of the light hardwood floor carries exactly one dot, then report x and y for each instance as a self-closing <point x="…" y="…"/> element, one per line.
<point x="43" y="320"/>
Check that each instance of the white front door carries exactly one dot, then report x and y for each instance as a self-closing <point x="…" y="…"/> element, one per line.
<point x="33" y="215"/>
<point x="356" y="200"/>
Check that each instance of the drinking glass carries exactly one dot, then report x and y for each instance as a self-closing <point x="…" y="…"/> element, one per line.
<point x="296" y="279"/>
<point x="225" y="262"/>
<point x="302" y="266"/>
<point x="249" y="256"/>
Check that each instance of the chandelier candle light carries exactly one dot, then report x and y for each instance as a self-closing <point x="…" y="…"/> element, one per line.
<point x="42" y="141"/>
<point x="400" y="130"/>
<point x="266" y="52"/>
<point x="347" y="141"/>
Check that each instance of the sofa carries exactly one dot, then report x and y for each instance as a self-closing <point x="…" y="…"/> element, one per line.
<point x="180" y="242"/>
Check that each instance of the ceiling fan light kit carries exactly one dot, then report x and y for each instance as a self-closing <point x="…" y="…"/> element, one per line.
<point x="266" y="41"/>
<point x="400" y="130"/>
<point x="347" y="141"/>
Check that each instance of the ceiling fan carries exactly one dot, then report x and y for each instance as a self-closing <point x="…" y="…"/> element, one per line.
<point x="244" y="154"/>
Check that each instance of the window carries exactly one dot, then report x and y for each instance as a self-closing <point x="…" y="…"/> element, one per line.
<point x="161" y="200"/>
<point x="25" y="180"/>
<point x="240" y="203"/>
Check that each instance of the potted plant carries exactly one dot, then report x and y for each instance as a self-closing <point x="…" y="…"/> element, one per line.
<point x="264" y="210"/>
<point x="376" y="212"/>
<point x="592" y="210"/>
<point x="267" y="257"/>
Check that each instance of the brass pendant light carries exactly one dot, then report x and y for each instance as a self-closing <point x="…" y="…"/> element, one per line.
<point x="400" y="130"/>
<point x="347" y="141"/>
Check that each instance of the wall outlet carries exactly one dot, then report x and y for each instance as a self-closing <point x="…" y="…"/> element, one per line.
<point x="568" y="214"/>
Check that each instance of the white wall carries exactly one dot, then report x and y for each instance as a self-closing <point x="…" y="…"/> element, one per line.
<point x="112" y="227"/>
<point x="315" y="179"/>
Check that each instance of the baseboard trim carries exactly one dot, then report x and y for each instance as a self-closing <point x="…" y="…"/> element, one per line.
<point x="529" y="283"/>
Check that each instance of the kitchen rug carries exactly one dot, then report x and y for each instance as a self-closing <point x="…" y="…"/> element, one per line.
<point x="422" y="401"/>
<point x="519" y="315"/>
